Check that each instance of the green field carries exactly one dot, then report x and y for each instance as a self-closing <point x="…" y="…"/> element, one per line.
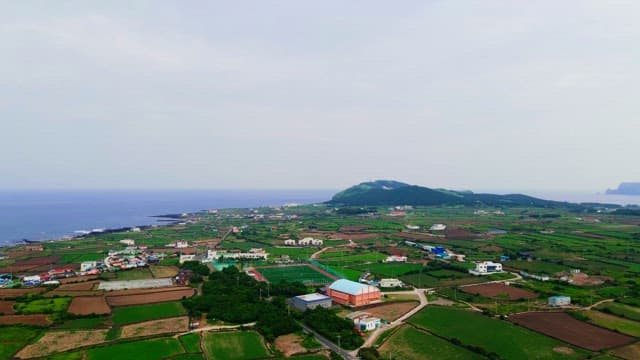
<point x="623" y="310"/>
<point x="13" y="338"/>
<point x="612" y="322"/>
<point x="188" y="357"/>
<point x="388" y="269"/>
<point x="505" y="339"/>
<point x="134" y="274"/>
<point x="139" y="313"/>
<point x="43" y="306"/>
<point x="243" y="345"/>
<point x="303" y="274"/>
<point x="412" y="344"/>
<point x="191" y="342"/>
<point x="148" y="350"/>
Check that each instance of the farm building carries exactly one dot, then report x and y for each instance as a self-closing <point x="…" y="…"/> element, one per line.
<point x="389" y="283"/>
<point x="34" y="248"/>
<point x="559" y="301"/>
<point x="438" y="227"/>
<point x="367" y="323"/>
<point x="351" y="293"/>
<point x="311" y="301"/>
<point x="395" y="258"/>
<point x="486" y="268"/>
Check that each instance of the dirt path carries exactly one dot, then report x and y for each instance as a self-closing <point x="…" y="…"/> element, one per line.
<point x="598" y="303"/>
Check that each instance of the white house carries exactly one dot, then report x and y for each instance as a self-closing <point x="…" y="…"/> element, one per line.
<point x="438" y="227"/>
<point x="559" y="301"/>
<point x="367" y="323"/>
<point x="182" y="244"/>
<point x="395" y="258"/>
<point x="316" y="242"/>
<point x="486" y="268"/>
<point x="412" y="227"/>
<point x="128" y="242"/>
<point x="290" y="242"/>
<point x="189" y="257"/>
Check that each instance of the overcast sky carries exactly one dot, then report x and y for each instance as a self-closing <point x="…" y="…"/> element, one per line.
<point x="324" y="94"/>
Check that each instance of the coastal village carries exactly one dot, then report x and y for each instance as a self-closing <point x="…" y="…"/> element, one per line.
<point x="378" y="281"/>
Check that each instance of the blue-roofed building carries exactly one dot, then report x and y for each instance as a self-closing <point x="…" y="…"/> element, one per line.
<point x="352" y="293"/>
<point x="559" y="301"/>
<point x="311" y="301"/>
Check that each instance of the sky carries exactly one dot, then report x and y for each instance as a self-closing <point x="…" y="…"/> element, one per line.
<point x="325" y="94"/>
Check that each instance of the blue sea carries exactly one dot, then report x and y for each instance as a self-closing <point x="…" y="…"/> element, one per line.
<point x="48" y="215"/>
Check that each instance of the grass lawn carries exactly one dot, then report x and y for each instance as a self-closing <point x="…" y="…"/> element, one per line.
<point x="191" y="342"/>
<point x="413" y="344"/>
<point x="78" y="355"/>
<point x="612" y="322"/>
<point x="188" y="357"/>
<point x="303" y="274"/>
<point x="234" y="346"/>
<point x="139" y="313"/>
<point x="134" y="274"/>
<point x="388" y="269"/>
<point x="148" y="350"/>
<point x="43" y="306"/>
<point x="13" y="338"/>
<point x="505" y="339"/>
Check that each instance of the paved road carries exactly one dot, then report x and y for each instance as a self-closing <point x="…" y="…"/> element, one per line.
<point x="376" y="333"/>
<point x="331" y="346"/>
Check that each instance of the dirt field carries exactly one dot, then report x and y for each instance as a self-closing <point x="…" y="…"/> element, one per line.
<point x="86" y="305"/>
<point x="290" y="344"/>
<point x="57" y="292"/>
<point x="6" y="307"/>
<point x="78" y="279"/>
<point x="149" y="298"/>
<point x="58" y="341"/>
<point x="496" y="289"/>
<point x="134" y="284"/>
<point x="163" y="271"/>
<point x="145" y="291"/>
<point x="391" y="311"/>
<point x="564" y="327"/>
<point x="87" y="285"/>
<point x="38" y="319"/>
<point x="38" y="261"/>
<point x="629" y="352"/>
<point x="164" y="326"/>
<point x="12" y="293"/>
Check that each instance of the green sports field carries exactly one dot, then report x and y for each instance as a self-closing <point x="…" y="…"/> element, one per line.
<point x="304" y="274"/>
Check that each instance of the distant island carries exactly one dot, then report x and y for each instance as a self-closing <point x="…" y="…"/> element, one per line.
<point x="389" y="192"/>
<point x="625" y="188"/>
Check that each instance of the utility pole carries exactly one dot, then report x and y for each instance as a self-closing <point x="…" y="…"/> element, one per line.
<point x="339" y="342"/>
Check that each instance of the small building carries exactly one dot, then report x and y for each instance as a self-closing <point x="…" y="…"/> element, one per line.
<point x="391" y="283"/>
<point x="128" y="242"/>
<point x="412" y="227"/>
<point x="290" y="242"/>
<point x="395" y="258"/>
<point x="367" y="323"/>
<point x="88" y="265"/>
<point x="559" y="301"/>
<point x="31" y="280"/>
<point x="187" y="257"/>
<point x="486" y="268"/>
<point x="311" y="301"/>
<point x="351" y="293"/>
<point x="182" y="244"/>
<point x="438" y="227"/>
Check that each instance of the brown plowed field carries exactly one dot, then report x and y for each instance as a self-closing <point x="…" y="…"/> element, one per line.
<point x="73" y="293"/>
<point x="37" y="319"/>
<point x="11" y="293"/>
<point x="495" y="289"/>
<point x="156" y="327"/>
<point x="38" y="261"/>
<point x="564" y="327"/>
<point x="87" y="285"/>
<point x="149" y="298"/>
<point x="6" y="307"/>
<point x="86" y="305"/>
<point x="145" y="291"/>
<point x="391" y="311"/>
<point x="78" y="279"/>
<point x="17" y="268"/>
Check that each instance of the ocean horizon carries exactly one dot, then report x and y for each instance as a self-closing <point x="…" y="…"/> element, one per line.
<point x="42" y="215"/>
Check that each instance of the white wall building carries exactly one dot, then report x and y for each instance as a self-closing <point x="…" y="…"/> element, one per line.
<point x="128" y="242"/>
<point x="189" y="257"/>
<point x="390" y="283"/>
<point x="367" y="323"/>
<point x="438" y="227"/>
<point x="290" y="242"/>
<point x="486" y="267"/>
<point x="395" y="258"/>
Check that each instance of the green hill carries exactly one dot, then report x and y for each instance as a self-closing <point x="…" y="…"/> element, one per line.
<point x="388" y="192"/>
